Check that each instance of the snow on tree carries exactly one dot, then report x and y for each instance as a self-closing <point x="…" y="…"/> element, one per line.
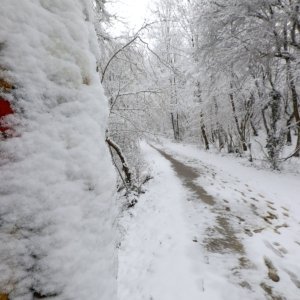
<point x="227" y="61"/>
<point x="57" y="237"/>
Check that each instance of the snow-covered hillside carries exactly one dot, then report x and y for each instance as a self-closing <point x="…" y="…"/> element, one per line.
<point x="57" y="181"/>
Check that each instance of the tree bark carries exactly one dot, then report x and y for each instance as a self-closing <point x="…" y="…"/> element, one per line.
<point x="125" y="167"/>
<point x="204" y="137"/>
<point x="288" y="134"/>
<point x="295" y="104"/>
<point x="242" y="138"/>
<point x="253" y="128"/>
<point x="203" y="132"/>
<point x="177" y="127"/>
<point x="174" y="126"/>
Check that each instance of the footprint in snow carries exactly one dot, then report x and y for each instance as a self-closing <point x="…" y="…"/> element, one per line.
<point x="272" y="271"/>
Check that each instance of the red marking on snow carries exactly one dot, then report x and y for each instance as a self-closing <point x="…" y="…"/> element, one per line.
<point x="5" y="110"/>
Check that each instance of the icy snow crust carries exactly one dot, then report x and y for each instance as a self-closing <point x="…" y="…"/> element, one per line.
<point x="56" y="215"/>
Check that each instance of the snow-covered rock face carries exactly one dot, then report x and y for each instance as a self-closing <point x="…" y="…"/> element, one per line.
<point x="57" y="182"/>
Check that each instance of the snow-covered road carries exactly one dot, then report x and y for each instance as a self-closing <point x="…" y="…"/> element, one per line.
<point x="204" y="230"/>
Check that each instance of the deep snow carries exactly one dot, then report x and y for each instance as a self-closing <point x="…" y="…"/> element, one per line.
<point x="57" y="182"/>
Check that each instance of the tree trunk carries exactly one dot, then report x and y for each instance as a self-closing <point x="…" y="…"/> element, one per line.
<point x="274" y="140"/>
<point x="205" y="137"/>
<point x="295" y="104"/>
<point x="242" y="138"/>
<point x="230" y="148"/>
<point x="177" y="127"/>
<point x="253" y="128"/>
<point x="265" y="120"/>
<point x="289" y="134"/>
<point x="174" y="126"/>
<point x="203" y="131"/>
<point x="125" y="167"/>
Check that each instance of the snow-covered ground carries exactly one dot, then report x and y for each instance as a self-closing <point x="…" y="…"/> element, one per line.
<point x="157" y="254"/>
<point x="210" y="228"/>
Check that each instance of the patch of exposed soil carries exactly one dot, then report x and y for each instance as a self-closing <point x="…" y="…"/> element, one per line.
<point x="223" y="238"/>
<point x="188" y="175"/>
<point x="272" y="271"/>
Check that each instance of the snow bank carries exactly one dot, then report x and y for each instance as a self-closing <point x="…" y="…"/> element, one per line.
<point x="56" y="213"/>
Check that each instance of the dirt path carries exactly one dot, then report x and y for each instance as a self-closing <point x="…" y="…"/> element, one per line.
<point x="227" y="239"/>
<point x="235" y="223"/>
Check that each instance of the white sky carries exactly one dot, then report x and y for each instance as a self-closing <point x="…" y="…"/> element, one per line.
<point x="133" y="12"/>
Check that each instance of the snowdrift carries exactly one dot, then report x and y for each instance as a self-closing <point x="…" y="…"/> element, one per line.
<point x="57" y="182"/>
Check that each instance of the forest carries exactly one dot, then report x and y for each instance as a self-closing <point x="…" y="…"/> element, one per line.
<point x="222" y="74"/>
